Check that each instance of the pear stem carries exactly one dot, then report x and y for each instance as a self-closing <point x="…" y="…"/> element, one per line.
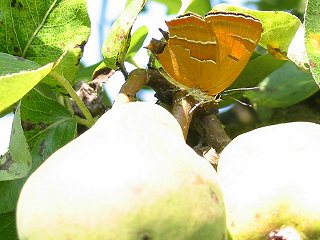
<point x="136" y="79"/>
<point x="215" y="134"/>
<point x="181" y="110"/>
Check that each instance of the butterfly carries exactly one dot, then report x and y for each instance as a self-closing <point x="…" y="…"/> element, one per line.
<point x="208" y="53"/>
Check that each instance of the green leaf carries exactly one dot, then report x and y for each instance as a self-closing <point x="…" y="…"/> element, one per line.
<point x="85" y="73"/>
<point x="136" y="43"/>
<point x="17" y="162"/>
<point x="100" y="69"/>
<point x="276" y="5"/>
<point x="17" y="77"/>
<point x="42" y="31"/>
<point x="297" y="50"/>
<point x="10" y="64"/>
<point x="286" y="86"/>
<point x="116" y="44"/>
<point x="8" y="229"/>
<point x="47" y="124"/>
<point x="312" y="37"/>
<point x="256" y="70"/>
<point x="279" y="28"/>
<point x="200" y="7"/>
<point x="7" y="110"/>
<point x="9" y="192"/>
<point x="173" y="6"/>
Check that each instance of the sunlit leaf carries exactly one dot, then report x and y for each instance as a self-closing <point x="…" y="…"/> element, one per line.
<point x="276" y="5"/>
<point x="136" y="43"/>
<point x="42" y="31"/>
<point x="17" y="77"/>
<point x="173" y="6"/>
<point x="200" y="7"/>
<point x="117" y="42"/>
<point x="312" y="37"/>
<point x="16" y="163"/>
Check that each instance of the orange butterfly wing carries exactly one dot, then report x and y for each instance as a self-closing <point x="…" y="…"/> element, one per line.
<point x="209" y="53"/>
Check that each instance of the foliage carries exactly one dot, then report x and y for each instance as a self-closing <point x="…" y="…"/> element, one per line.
<point x="41" y="44"/>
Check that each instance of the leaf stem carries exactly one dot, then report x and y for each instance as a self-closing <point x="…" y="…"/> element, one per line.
<point x="82" y="121"/>
<point x="135" y="81"/>
<point x="74" y="96"/>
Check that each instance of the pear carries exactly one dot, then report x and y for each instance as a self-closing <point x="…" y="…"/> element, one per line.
<point x="131" y="176"/>
<point x="270" y="180"/>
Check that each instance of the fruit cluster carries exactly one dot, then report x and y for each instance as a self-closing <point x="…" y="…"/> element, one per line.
<point x="132" y="176"/>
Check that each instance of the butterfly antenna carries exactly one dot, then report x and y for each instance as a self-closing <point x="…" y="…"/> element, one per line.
<point x="225" y="92"/>
<point x="239" y="101"/>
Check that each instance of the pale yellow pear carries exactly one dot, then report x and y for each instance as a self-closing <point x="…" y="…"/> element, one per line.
<point x="270" y="179"/>
<point x="131" y="176"/>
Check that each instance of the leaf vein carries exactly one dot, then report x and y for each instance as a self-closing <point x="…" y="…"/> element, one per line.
<point x="38" y="28"/>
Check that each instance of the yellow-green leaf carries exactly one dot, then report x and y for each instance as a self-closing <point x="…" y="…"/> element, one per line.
<point x="17" y="162"/>
<point x="136" y="43"/>
<point x="17" y="77"/>
<point x="312" y="37"/>
<point x="116" y="44"/>
<point x="173" y="6"/>
<point x="200" y="7"/>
